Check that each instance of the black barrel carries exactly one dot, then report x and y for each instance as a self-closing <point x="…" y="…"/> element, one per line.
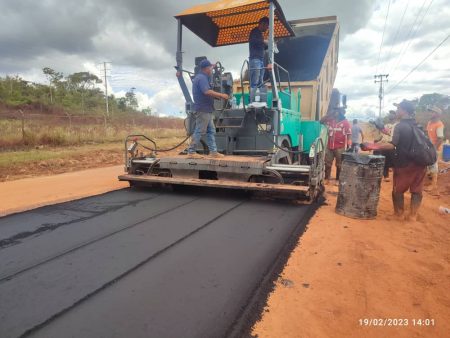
<point x="359" y="185"/>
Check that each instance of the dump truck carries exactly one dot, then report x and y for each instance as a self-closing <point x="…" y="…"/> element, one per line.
<point x="276" y="147"/>
<point x="311" y="57"/>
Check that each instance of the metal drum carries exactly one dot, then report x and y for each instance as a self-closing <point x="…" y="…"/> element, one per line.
<point x="359" y="185"/>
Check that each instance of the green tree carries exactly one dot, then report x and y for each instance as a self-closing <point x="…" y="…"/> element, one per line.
<point x="16" y="91"/>
<point x="147" y="111"/>
<point x="435" y="99"/>
<point x="131" y="99"/>
<point x="53" y="78"/>
<point x="82" y="82"/>
<point x="122" y="104"/>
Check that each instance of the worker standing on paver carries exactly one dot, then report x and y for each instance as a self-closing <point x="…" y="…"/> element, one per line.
<point x="339" y="140"/>
<point x="204" y="106"/>
<point x="257" y="46"/>
<point x="408" y="175"/>
<point x="435" y="129"/>
<point x="356" y="133"/>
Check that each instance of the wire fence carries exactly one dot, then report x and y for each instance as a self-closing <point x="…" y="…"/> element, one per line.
<point x="18" y="128"/>
<point x="69" y="119"/>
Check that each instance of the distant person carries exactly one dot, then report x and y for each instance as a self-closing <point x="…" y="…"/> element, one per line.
<point x="389" y="126"/>
<point x="386" y="137"/>
<point x="408" y="175"/>
<point x="204" y="106"/>
<point x="257" y="46"/>
<point x="356" y="139"/>
<point x="435" y="130"/>
<point x="339" y="139"/>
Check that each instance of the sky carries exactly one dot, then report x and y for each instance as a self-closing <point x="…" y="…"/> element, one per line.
<point x="138" y="39"/>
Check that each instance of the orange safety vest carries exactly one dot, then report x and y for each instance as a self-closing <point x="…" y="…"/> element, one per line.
<point x="432" y="128"/>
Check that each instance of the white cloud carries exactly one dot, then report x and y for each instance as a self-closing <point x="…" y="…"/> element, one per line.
<point x="168" y="100"/>
<point x="359" y="55"/>
<point x="139" y="38"/>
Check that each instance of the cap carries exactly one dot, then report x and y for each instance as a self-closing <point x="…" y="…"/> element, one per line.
<point x="407" y="106"/>
<point x="435" y="109"/>
<point x="205" y="64"/>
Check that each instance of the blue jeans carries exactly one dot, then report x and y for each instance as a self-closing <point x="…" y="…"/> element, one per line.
<point x="204" y="125"/>
<point x="256" y="73"/>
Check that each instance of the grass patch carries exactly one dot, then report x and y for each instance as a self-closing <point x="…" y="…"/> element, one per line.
<point x="39" y="133"/>
<point x="13" y="159"/>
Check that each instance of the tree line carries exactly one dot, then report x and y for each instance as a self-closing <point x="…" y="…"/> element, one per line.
<point x="77" y="93"/>
<point x="428" y="100"/>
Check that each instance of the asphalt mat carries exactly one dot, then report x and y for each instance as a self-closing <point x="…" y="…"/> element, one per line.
<point x="143" y="263"/>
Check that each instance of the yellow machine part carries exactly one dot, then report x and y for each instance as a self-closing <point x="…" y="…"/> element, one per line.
<point x="228" y="22"/>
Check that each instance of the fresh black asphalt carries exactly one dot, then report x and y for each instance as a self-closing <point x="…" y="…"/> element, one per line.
<point x="140" y="263"/>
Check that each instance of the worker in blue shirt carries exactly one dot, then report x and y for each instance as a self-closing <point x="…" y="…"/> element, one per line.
<point x="204" y="106"/>
<point x="257" y="46"/>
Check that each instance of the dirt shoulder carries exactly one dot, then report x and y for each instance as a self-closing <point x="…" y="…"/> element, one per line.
<point x="47" y="161"/>
<point x="30" y="193"/>
<point x="38" y="177"/>
<point x="344" y="270"/>
<point x="58" y="160"/>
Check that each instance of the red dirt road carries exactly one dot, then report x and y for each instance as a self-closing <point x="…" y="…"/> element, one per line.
<point x="30" y="193"/>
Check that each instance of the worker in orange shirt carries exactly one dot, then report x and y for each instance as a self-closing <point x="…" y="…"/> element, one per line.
<point x="435" y="129"/>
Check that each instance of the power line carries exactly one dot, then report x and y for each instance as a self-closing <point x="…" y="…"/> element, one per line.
<point x="412" y="33"/>
<point x="382" y="37"/>
<point x="421" y="62"/>
<point x="396" y="33"/>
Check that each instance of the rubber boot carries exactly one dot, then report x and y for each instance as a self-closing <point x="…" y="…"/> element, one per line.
<point x="434" y="185"/>
<point x="416" y="201"/>
<point x="338" y="173"/>
<point x="399" y="204"/>
<point x="386" y="174"/>
<point x="327" y="172"/>
<point x="427" y="181"/>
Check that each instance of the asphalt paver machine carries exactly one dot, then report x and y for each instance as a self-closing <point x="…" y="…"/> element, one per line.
<point x="268" y="147"/>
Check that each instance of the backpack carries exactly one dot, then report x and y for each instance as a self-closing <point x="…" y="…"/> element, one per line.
<point x="422" y="151"/>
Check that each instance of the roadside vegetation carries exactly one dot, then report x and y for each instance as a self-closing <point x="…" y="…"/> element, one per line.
<point x="63" y="125"/>
<point x="71" y="110"/>
<point x="427" y="100"/>
<point x="422" y="115"/>
<point x="48" y="132"/>
<point x="77" y="94"/>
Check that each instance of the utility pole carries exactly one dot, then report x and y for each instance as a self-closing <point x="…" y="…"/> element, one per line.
<point x="106" y="87"/>
<point x="382" y="79"/>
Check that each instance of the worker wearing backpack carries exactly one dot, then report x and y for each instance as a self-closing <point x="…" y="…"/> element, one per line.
<point x="413" y="153"/>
